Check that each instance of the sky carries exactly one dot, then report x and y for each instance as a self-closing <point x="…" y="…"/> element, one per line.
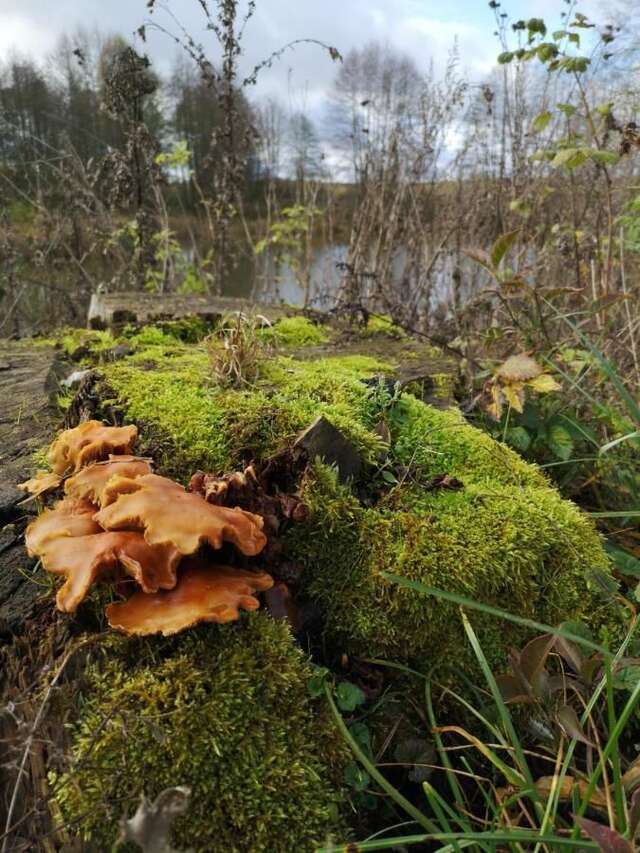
<point x="424" y="29"/>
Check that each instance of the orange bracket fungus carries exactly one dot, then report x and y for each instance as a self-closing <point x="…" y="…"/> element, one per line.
<point x="205" y="593"/>
<point x="81" y="559"/>
<point x="68" y="518"/>
<point x="42" y="482"/>
<point x="90" y="481"/>
<point x="168" y="513"/>
<point x="146" y="525"/>
<point x="89" y="442"/>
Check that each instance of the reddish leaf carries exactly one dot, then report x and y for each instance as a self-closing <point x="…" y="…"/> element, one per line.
<point x="512" y="689"/>
<point x="568" y="721"/>
<point x="534" y="656"/>
<point x="608" y="840"/>
<point x="570" y="652"/>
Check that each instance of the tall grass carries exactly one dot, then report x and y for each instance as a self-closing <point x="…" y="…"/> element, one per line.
<point x="489" y="793"/>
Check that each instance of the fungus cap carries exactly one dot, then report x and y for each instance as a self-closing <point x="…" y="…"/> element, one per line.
<point x="42" y="482"/>
<point x="204" y="593"/>
<point x="68" y="518"/>
<point x="89" y="482"/>
<point x="90" y="441"/>
<point x="169" y="514"/>
<point x="82" y="559"/>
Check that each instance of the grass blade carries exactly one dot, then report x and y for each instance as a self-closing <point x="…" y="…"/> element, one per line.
<point x="470" y="604"/>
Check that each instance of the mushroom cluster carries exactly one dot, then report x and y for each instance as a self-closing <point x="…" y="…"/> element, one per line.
<point x="119" y="518"/>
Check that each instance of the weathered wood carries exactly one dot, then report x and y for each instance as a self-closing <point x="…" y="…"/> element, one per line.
<point x="27" y="421"/>
<point x="113" y="310"/>
<point x="323" y="440"/>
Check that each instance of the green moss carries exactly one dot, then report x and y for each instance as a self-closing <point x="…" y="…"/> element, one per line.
<point x="383" y="326"/>
<point x="506" y="537"/>
<point x="190" y="422"/>
<point x="525" y="550"/>
<point x="224" y="710"/>
<point x="294" y="332"/>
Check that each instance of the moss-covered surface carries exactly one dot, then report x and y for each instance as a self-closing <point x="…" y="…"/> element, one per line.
<point x="519" y="547"/>
<point x="505" y="537"/>
<point x="295" y="332"/>
<point x="224" y="710"/>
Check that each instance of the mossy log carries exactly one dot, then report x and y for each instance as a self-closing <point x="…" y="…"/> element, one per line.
<point x="225" y="709"/>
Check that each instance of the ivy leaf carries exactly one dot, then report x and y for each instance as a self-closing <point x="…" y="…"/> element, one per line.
<point x="560" y="441"/>
<point x="349" y="696"/>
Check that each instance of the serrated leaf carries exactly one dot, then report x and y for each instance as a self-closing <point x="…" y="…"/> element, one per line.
<point x="514" y="396"/>
<point x="360" y="733"/>
<point x="541" y="121"/>
<point x="543" y="384"/>
<point x="560" y="441"/>
<point x="502" y="246"/>
<point x="519" y="438"/>
<point x="349" y="696"/>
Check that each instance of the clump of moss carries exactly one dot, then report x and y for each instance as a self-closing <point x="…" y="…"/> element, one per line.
<point x="525" y="550"/>
<point x="294" y="332"/>
<point x="191" y="422"/>
<point x="384" y="326"/>
<point x="224" y="710"/>
<point x="506" y="537"/>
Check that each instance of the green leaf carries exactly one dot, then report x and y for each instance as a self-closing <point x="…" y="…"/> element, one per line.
<point x="356" y="777"/>
<point x="505" y="58"/>
<point x="605" y="157"/>
<point x="547" y="51"/>
<point x="519" y="438"/>
<point x="560" y="441"/>
<point x="626" y="677"/>
<point x="567" y="109"/>
<point x="624" y="562"/>
<point x="315" y="685"/>
<point x="502" y="246"/>
<point x="389" y="477"/>
<point x="362" y="736"/>
<point x="571" y="158"/>
<point x="541" y="121"/>
<point x="349" y="696"/>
